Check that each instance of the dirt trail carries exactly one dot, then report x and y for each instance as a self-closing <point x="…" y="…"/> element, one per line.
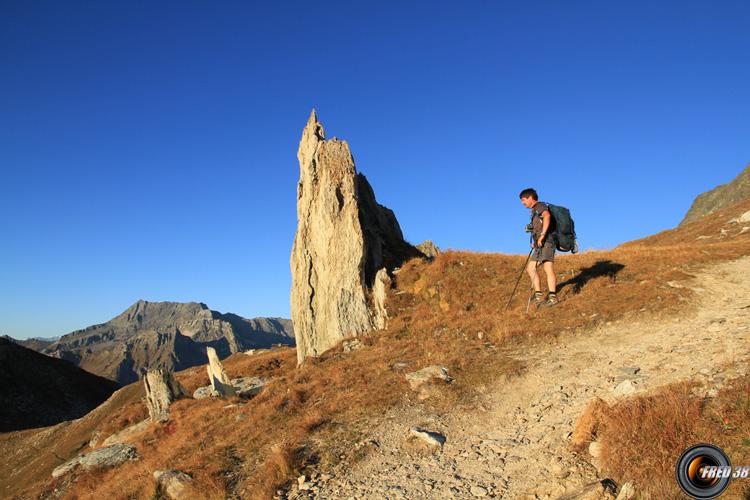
<point x="518" y="447"/>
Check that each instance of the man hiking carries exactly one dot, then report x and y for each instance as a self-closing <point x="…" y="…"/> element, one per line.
<point x="544" y="247"/>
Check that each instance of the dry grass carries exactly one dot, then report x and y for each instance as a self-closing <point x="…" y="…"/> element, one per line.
<point x="449" y="312"/>
<point x="643" y="437"/>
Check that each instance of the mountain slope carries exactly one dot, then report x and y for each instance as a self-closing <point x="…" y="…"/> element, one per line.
<point x="37" y="390"/>
<point x="169" y="335"/>
<point x="722" y="196"/>
<point x="345" y="411"/>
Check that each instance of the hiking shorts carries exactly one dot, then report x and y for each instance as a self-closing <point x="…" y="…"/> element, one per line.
<point x="546" y="253"/>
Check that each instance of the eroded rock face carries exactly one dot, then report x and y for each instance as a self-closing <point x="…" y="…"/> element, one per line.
<point x="344" y="237"/>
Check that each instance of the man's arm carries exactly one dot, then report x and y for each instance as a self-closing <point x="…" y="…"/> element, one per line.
<point x="545" y="226"/>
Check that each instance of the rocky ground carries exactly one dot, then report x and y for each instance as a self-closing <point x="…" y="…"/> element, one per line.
<point x="517" y="444"/>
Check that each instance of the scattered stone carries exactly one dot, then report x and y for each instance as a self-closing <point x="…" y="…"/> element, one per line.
<point x="420" y="377"/>
<point x="433" y="439"/>
<point x="219" y="379"/>
<point x="161" y="390"/>
<point x="428" y="249"/>
<point x="174" y="484"/>
<point x="478" y="491"/>
<point x="595" y="449"/>
<point x="624" y="388"/>
<point x="344" y="237"/>
<point x="127" y="433"/>
<point x="247" y="387"/>
<point x="110" y="456"/>
<point x="627" y="492"/>
<point x="351" y="345"/>
<point x="630" y="371"/>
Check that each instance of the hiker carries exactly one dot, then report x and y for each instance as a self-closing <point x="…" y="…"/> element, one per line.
<point x="543" y="245"/>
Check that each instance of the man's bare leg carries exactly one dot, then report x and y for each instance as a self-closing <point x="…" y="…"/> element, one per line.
<point x="531" y="270"/>
<point x="549" y="270"/>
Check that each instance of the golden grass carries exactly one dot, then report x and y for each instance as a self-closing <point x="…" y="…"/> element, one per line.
<point x="643" y="437"/>
<point x="449" y="311"/>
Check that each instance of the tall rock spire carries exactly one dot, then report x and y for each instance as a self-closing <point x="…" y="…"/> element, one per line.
<point x="344" y="237"/>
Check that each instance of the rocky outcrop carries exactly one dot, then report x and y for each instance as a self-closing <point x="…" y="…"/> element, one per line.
<point x="168" y="335"/>
<point x="111" y="456"/>
<point x="720" y="197"/>
<point x="161" y="390"/>
<point x="344" y="237"/>
<point x="428" y="249"/>
<point x="38" y="391"/>
<point x="217" y="376"/>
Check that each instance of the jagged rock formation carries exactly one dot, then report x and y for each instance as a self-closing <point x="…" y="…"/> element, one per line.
<point x="217" y="376"/>
<point x="39" y="391"/>
<point x="161" y="390"/>
<point x="344" y="237"/>
<point x="429" y="249"/>
<point x="720" y="197"/>
<point x="168" y="335"/>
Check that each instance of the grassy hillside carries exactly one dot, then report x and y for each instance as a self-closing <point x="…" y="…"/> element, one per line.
<point x="449" y="312"/>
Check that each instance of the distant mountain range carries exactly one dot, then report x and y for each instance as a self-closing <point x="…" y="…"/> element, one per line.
<point x="170" y="335"/>
<point x="39" y="391"/>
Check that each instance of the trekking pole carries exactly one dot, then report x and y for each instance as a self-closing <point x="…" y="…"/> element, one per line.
<point x="519" y="279"/>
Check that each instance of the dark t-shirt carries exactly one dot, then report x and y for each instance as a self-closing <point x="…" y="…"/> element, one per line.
<point x="536" y="217"/>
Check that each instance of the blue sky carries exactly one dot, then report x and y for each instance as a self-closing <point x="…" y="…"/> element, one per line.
<point x="148" y="149"/>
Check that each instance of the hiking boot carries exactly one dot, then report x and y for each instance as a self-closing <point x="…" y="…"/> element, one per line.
<point x="551" y="299"/>
<point x="538" y="298"/>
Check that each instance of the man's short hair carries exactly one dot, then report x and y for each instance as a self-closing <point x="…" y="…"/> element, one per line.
<point x="529" y="192"/>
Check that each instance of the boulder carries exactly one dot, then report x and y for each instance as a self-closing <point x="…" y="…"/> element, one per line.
<point x="217" y="376"/>
<point x="175" y="485"/>
<point x="429" y="374"/>
<point x="344" y="237"/>
<point x="244" y="387"/>
<point x="161" y="390"/>
<point x="110" y="456"/>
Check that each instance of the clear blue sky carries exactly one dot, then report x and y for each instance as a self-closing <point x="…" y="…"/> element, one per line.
<point x="148" y="149"/>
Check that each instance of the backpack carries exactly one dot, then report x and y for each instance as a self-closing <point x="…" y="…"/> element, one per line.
<point x="563" y="229"/>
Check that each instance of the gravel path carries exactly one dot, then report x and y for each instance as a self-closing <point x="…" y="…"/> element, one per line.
<point x="518" y="446"/>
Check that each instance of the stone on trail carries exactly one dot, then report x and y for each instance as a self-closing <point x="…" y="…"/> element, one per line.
<point x="433" y="439"/>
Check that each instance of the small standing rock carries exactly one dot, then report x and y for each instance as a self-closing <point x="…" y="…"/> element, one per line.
<point x="216" y="374"/>
<point x="161" y="390"/>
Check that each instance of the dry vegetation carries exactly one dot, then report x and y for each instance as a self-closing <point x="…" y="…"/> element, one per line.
<point x="450" y="312"/>
<point x="642" y="437"/>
